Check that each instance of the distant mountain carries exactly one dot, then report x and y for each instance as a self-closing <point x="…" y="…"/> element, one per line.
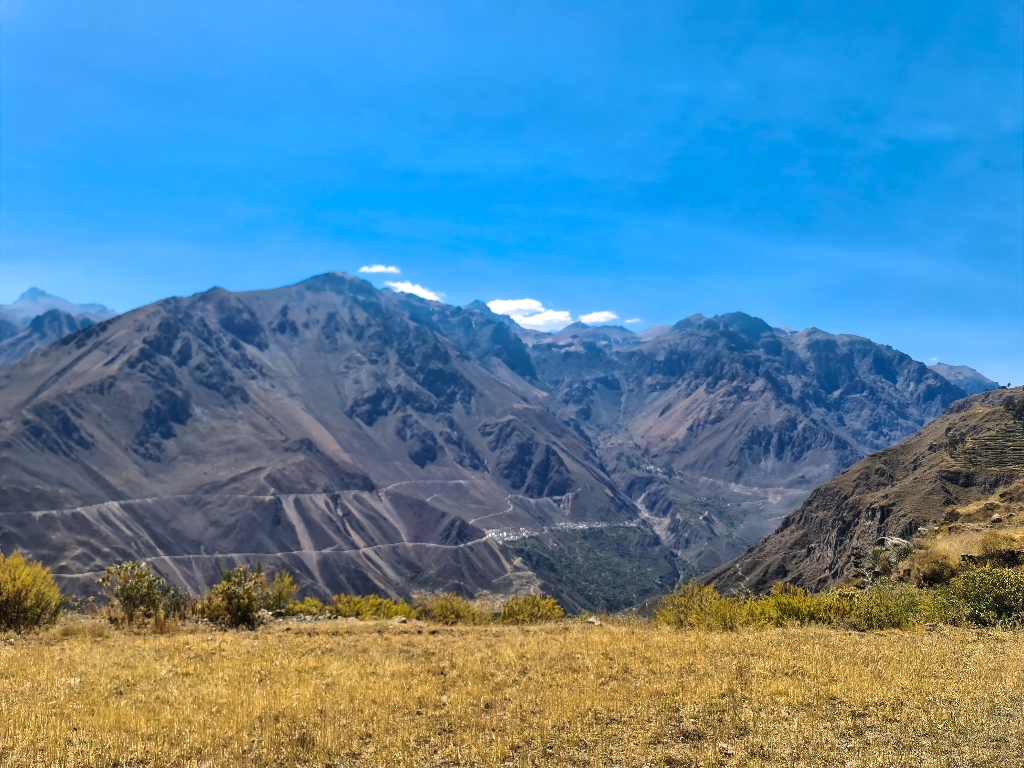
<point x="720" y="426"/>
<point x="968" y="379"/>
<point x="38" y="319"/>
<point x="893" y="492"/>
<point x="372" y="441"/>
<point x="35" y="302"/>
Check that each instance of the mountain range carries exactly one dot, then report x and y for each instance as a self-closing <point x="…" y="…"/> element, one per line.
<point x="372" y="441"/>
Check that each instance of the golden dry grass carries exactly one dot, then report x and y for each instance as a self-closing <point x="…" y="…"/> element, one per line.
<point x="379" y="694"/>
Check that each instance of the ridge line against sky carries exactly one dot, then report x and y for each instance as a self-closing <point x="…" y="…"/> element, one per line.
<point x="854" y="167"/>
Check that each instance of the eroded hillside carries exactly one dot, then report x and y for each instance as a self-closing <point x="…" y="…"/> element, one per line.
<point x="953" y="465"/>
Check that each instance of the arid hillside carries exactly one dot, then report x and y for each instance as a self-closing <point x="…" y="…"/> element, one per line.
<point x="372" y="441"/>
<point x="971" y="452"/>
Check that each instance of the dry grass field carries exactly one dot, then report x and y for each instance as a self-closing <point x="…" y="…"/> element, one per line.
<point x="348" y="693"/>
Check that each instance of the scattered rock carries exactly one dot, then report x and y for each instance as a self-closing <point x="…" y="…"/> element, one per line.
<point x="891" y="542"/>
<point x="594" y="621"/>
<point x="996" y="518"/>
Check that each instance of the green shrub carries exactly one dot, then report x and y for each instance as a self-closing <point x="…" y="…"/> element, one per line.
<point x="531" y="609"/>
<point x="372" y="607"/>
<point x="134" y="593"/>
<point x="308" y="607"/>
<point x="886" y="605"/>
<point x="239" y="597"/>
<point x="29" y="597"/>
<point x="699" y="606"/>
<point x="988" y="596"/>
<point x="281" y="591"/>
<point x="451" y="609"/>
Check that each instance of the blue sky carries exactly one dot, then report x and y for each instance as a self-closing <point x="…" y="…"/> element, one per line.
<point x="850" y="166"/>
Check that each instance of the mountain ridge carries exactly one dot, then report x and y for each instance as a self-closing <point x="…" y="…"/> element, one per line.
<point x="319" y="425"/>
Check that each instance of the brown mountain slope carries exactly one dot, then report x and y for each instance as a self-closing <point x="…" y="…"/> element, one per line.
<point x="893" y="492"/>
<point x="719" y="426"/>
<point x="319" y="426"/>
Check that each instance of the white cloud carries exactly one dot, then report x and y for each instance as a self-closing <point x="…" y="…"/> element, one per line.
<point x="548" y="320"/>
<point x="530" y="313"/>
<point x="632" y="320"/>
<point x="415" y="289"/>
<point x="598" y="318"/>
<point x="374" y="269"/>
<point x="514" y="307"/>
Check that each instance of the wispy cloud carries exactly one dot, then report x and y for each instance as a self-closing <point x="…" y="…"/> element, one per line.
<point x="632" y="320"/>
<point x="530" y="313"/>
<point x="415" y="289"/>
<point x="597" y="318"/>
<point x="375" y="269"/>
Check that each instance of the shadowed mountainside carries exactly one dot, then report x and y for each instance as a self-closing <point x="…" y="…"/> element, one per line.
<point x="719" y="426"/>
<point x="318" y="426"/>
<point x="891" y="493"/>
<point x="371" y="441"/>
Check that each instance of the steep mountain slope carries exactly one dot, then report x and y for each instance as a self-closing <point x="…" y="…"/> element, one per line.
<point x="320" y="426"/>
<point x="968" y="379"/>
<point x="374" y="441"/>
<point x="973" y="450"/>
<point x="721" y="425"/>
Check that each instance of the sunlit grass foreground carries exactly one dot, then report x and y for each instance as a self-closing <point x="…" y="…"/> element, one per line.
<point x="351" y="693"/>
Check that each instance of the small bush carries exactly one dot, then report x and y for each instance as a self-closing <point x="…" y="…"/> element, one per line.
<point x="29" y="597"/>
<point x="176" y="603"/>
<point x="887" y="605"/>
<point x="133" y="592"/>
<point x="988" y="596"/>
<point x="451" y="609"/>
<point x="999" y="551"/>
<point x="308" y="607"/>
<point x="281" y="591"/>
<point x="699" y="606"/>
<point x="931" y="568"/>
<point x="238" y="599"/>
<point x="372" y="607"/>
<point x="531" y="609"/>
